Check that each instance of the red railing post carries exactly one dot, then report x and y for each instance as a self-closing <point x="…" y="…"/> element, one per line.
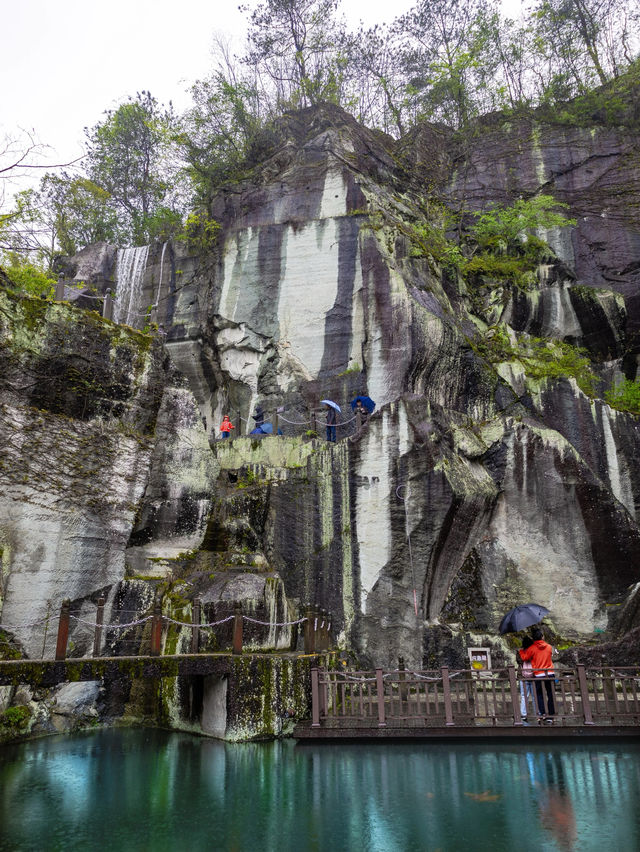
<point x="237" y="629"/>
<point x="584" y="695"/>
<point x="97" y="636"/>
<point x="446" y="694"/>
<point x="315" y="699"/>
<point x="195" y="630"/>
<point x="380" y="695"/>
<point x="156" y="631"/>
<point x="63" y="630"/>
<point x="515" y="696"/>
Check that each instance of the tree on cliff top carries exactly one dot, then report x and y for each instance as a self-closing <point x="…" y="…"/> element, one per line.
<point x="293" y="46"/>
<point x="443" y="48"/>
<point x="131" y="156"/>
<point x="583" y="42"/>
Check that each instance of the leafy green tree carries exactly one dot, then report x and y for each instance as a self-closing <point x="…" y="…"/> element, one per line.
<point x="580" y="43"/>
<point x="219" y="129"/>
<point x="77" y="211"/>
<point x="443" y="48"/>
<point x="508" y="225"/>
<point x="293" y="44"/>
<point x="131" y="156"/>
<point x="27" y="275"/>
<point x="625" y="396"/>
<point x="375" y="83"/>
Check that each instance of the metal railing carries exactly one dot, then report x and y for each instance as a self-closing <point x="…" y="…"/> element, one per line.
<point x="462" y="697"/>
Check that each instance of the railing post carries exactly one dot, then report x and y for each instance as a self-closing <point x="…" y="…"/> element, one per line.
<point x="60" y="289"/>
<point x="239" y="423"/>
<point x="314" y="424"/>
<point x="315" y="699"/>
<point x="515" y="697"/>
<point x="97" y="636"/>
<point x="584" y="694"/>
<point x="403" y="686"/>
<point x="275" y="422"/>
<point x="156" y="631"/>
<point x="107" y="305"/>
<point x="380" y="691"/>
<point x="358" y="419"/>
<point x="609" y="691"/>
<point x="63" y="630"/>
<point x="446" y="694"/>
<point x="195" y="630"/>
<point x="309" y="632"/>
<point x="237" y="628"/>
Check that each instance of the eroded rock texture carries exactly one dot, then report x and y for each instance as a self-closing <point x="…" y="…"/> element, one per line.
<point x="476" y="484"/>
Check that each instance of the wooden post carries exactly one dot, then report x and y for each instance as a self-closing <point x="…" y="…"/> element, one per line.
<point x="275" y="422"/>
<point x="609" y="690"/>
<point x="315" y="699"/>
<point x="309" y="632"/>
<point x="60" y="291"/>
<point x="195" y="630"/>
<point x="380" y="696"/>
<point x="446" y="693"/>
<point x="237" y="628"/>
<point x="97" y="637"/>
<point x="63" y="631"/>
<point x="358" y="419"/>
<point x="156" y="631"/>
<point x="584" y="695"/>
<point x="107" y="305"/>
<point x="403" y="686"/>
<point x="515" y="697"/>
<point x="314" y="422"/>
<point x="239" y="423"/>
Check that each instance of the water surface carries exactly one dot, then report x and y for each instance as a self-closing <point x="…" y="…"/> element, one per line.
<point x="154" y="790"/>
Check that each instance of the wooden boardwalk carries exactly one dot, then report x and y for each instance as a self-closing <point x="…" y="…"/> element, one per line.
<point x="467" y="705"/>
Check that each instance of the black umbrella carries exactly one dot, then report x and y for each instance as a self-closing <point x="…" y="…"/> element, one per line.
<point x="521" y="617"/>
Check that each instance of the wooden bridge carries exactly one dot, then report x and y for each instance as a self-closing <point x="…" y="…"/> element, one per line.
<point x="466" y="704"/>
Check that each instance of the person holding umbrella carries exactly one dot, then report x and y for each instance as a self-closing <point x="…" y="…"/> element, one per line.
<point x="539" y="653"/>
<point x="332" y="409"/>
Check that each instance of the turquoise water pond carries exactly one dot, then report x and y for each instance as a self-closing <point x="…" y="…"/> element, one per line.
<point x="154" y="790"/>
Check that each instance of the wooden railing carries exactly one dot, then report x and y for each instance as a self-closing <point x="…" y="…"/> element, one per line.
<point x="581" y="696"/>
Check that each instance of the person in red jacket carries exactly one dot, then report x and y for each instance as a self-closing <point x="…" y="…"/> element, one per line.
<point x="539" y="654"/>
<point x="226" y="426"/>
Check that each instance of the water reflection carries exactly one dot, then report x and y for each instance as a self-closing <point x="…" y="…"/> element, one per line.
<point x="144" y="789"/>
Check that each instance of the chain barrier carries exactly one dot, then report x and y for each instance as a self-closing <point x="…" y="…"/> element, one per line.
<point x="206" y="624"/>
<point x="274" y="623"/>
<point x="111" y="626"/>
<point x="120" y="626"/>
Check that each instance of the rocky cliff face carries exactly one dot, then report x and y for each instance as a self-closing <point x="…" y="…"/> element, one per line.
<point x="481" y="479"/>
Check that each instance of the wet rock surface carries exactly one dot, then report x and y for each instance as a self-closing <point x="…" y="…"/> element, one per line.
<point x="475" y="484"/>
